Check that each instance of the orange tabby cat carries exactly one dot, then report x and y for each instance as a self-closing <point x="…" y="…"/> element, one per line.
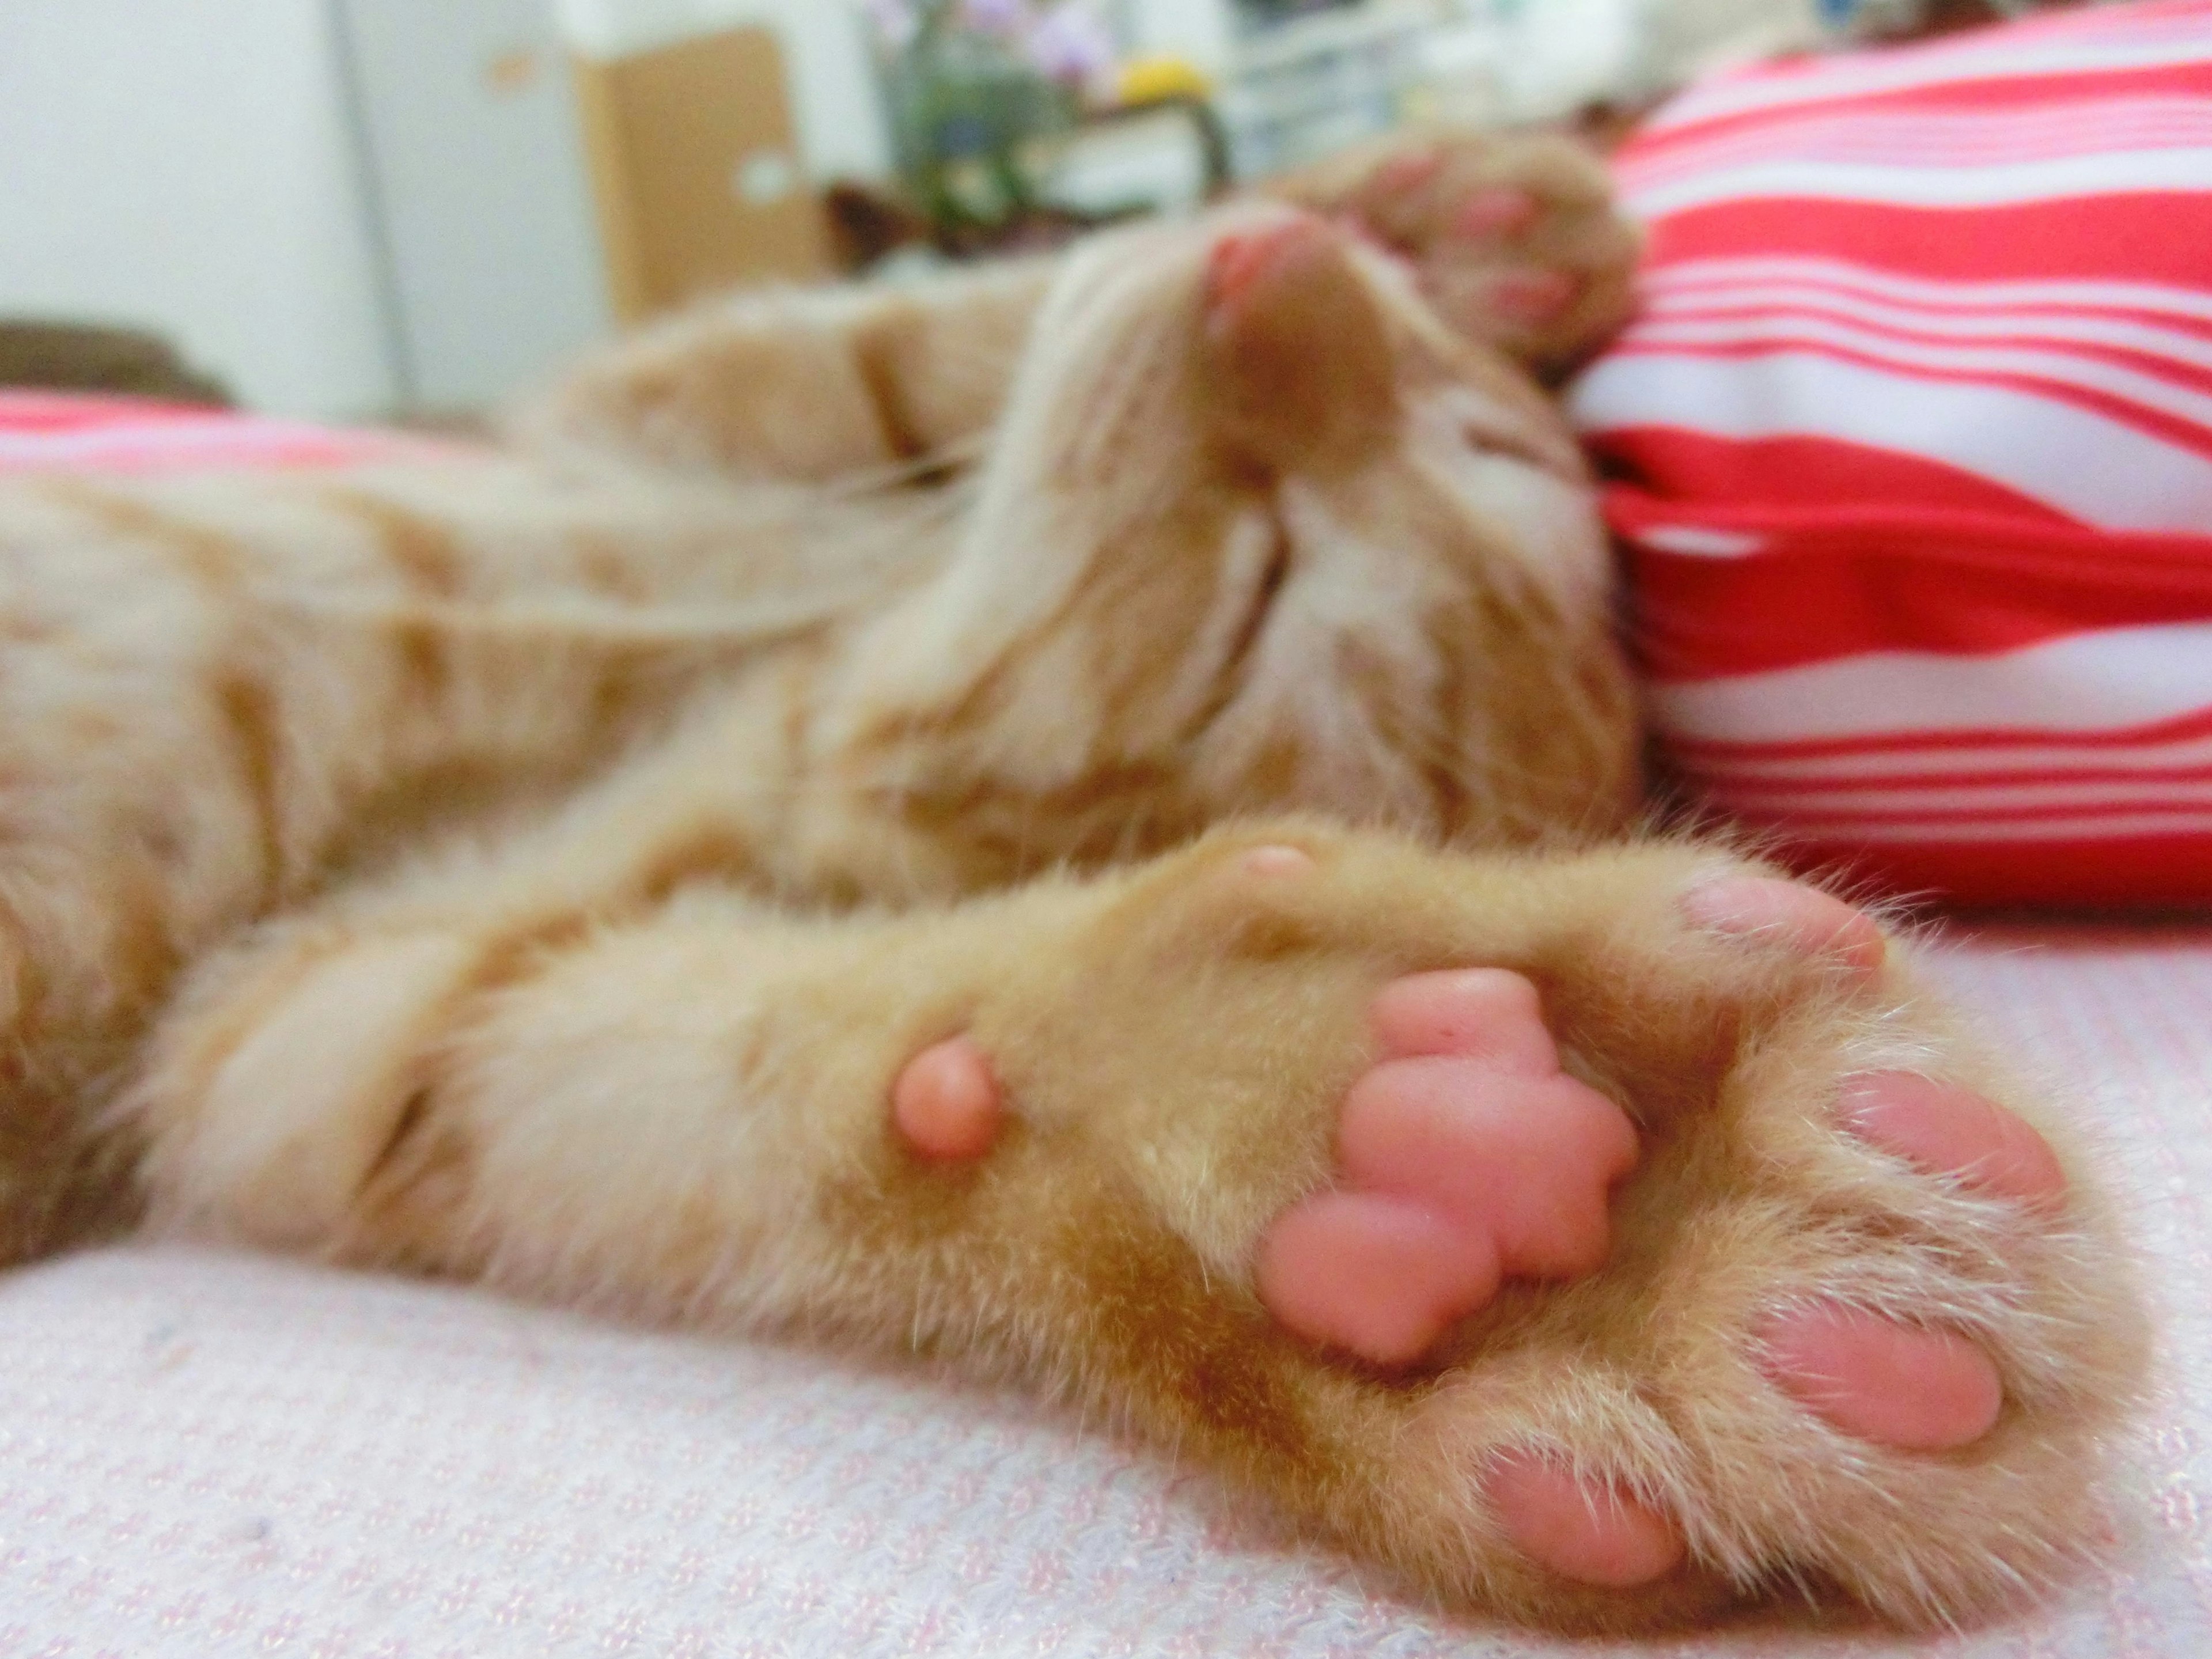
<point x="1079" y="817"/>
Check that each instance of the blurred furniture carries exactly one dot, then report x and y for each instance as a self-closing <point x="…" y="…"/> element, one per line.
<point x="1112" y="163"/>
<point x="77" y="357"/>
<point x="696" y="161"/>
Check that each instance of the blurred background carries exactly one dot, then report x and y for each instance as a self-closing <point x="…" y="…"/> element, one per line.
<point x="379" y="208"/>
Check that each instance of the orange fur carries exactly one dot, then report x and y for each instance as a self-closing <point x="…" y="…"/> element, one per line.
<point x="540" y="871"/>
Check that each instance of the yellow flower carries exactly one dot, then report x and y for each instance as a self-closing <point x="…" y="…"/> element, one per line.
<point x="1157" y="79"/>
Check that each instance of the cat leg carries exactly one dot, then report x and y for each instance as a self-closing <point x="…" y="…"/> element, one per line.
<point x="1516" y="239"/>
<point x="804" y="384"/>
<point x="1691" y="1233"/>
<point x="217" y="686"/>
<point x="1593" y="1239"/>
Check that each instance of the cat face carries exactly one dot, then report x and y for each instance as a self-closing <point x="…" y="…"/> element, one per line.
<point x="1257" y="531"/>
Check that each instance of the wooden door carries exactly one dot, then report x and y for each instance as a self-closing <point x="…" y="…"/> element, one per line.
<point x="696" y="161"/>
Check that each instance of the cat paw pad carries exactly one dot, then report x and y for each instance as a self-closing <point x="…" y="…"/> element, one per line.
<point x="1881" y="1382"/>
<point x="1943" y="1130"/>
<point x="1295" y="359"/>
<point x="1786" y="913"/>
<point x="1597" y="1536"/>
<point x="1466" y="1156"/>
<point x="946" y="1103"/>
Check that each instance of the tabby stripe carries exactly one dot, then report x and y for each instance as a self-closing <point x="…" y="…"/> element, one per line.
<point x="209" y="557"/>
<point x="424" y="551"/>
<point x="249" y="713"/>
<point x="874" y="345"/>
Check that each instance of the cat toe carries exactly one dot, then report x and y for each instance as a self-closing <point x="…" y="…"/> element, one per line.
<point x="1502" y="211"/>
<point x="1885" y="1383"/>
<point x="1532" y="298"/>
<point x="1245" y="264"/>
<point x="1295" y="356"/>
<point x="1789" y="915"/>
<point x="1944" y="1130"/>
<point x="1597" y="1536"/>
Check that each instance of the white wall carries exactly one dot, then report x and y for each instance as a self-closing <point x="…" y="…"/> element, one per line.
<point x="839" y="115"/>
<point x="469" y="110"/>
<point x="1201" y="31"/>
<point x="185" y="165"/>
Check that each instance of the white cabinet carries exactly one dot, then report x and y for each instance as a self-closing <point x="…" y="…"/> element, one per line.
<point x="343" y="208"/>
<point x="475" y="185"/>
<point x="190" y="168"/>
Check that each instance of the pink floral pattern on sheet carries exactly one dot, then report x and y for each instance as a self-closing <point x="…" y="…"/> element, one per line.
<point x="48" y="432"/>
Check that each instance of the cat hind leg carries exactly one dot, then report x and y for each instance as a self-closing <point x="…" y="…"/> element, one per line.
<point x="1662" y="1239"/>
<point x="1591" y="1239"/>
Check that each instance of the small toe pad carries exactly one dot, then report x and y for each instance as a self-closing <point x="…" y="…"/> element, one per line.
<point x="1598" y="1537"/>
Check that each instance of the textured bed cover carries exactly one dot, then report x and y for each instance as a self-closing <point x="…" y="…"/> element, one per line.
<point x="202" y="1455"/>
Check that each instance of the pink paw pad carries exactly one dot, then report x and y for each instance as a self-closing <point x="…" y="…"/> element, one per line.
<point x="1412" y="172"/>
<point x="1377" y="1276"/>
<point x="1465" y="1156"/>
<point x="1599" y="1537"/>
<point x="1501" y="211"/>
<point x="946" y="1103"/>
<point x="1278" y="861"/>
<point x="1785" y="913"/>
<point x="1946" y="1130"/>
<point x="1533" y="297"/>
<point x="1883" y="1381"/>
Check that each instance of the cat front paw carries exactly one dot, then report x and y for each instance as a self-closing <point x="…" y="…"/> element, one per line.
<point x="1516" y="240"/>
<point x="1595" y="1239"/>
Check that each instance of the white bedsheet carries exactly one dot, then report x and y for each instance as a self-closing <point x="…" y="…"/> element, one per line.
<point x="202" y="1455"/>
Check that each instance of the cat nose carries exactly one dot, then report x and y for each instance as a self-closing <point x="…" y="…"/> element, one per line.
<point x="1242" y="260"/>
<point x="1297" y="364"/>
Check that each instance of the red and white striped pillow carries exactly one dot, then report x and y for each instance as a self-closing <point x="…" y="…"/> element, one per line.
<point x="1913" y="450"/>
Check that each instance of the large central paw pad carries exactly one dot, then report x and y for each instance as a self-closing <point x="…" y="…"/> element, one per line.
<point x="1466" y="1156"/>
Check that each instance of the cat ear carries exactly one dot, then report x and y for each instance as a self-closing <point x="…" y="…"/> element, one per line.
<point x="1295" y="366"/>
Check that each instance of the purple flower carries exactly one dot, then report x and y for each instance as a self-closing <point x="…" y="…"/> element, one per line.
<point x="1072" y="45"/>
<point x="1003" y="18"/>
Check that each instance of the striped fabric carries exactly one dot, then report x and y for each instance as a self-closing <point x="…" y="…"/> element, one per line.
<point x="1912" y="451"/>
<point x="42" y="432"/>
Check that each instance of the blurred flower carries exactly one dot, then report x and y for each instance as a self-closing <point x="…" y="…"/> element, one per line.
<point x="1153" y="79"/>
<point x="896" y="22"/>
<point x="1005" y="18"/>
<point x="1072" y="45"/>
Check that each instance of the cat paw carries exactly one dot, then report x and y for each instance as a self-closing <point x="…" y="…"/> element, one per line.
<point x="1516" y="241"/>
<point x="1467" y="1156"/>
<point x="1595" y="1239"/>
